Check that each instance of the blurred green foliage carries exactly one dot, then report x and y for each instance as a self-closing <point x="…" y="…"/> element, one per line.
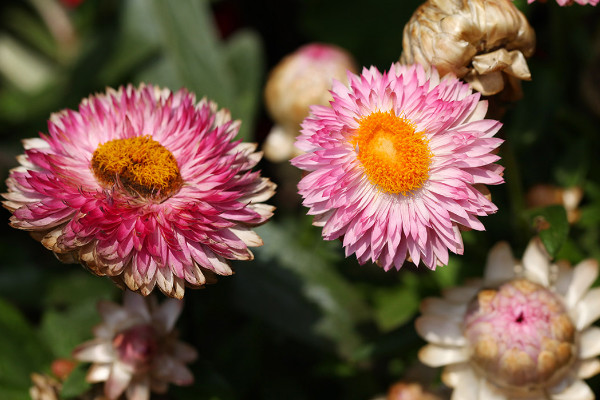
<point x="300" y="321"/>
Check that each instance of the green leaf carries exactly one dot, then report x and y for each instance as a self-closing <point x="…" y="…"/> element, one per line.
<point x="11" y="393"/>
<point x="21" y="352"/>
<point x="139" y="41"/>
<point x="552" y="226"/>
<point x="572" y="168"/>
<point x="64" y="330"/>
<point x="227" y="73"/>
<point x="301" y="259"/>
<point x="75" y="384"/>
<point x="190" y="41"/>
<point x="244" y="55"/>
<point x="395" y="306"/>
<point x="83" y="287"/>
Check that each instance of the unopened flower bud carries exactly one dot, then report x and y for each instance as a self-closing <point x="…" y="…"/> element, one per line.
<point x="301" y="79"/>
<point x="484" y="42"/>
<point x="44" y="387"/>
<point x="520" y="335"/>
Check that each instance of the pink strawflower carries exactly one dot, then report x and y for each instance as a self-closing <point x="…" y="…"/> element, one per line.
<point x="393" y="165"/>
<point x="143" y="185"/>
<point x="135" y="349"/>
<point x="571" y="2"/>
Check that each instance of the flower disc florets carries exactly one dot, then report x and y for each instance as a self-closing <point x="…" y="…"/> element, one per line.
<point x="395" y="163"/>
<point x="145" y="186"/>
<point x="142" y="165"/>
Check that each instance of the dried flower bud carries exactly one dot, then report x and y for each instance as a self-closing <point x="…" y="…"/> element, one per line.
<point x="301" y="79"/>
<point x="44" y="387"/>
<point x="484" y="42"/>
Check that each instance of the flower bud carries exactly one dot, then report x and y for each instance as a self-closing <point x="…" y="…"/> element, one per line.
<point x="484" y="42"/>
<point x="520" y="335"/>
<point x="301" y="79"/>
<point x="44" y="387"/>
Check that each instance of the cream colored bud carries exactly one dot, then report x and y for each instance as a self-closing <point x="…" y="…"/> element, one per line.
<point x="44" y="387"/>
<point x="301" y="79"/>
<point x="484" y="42"/>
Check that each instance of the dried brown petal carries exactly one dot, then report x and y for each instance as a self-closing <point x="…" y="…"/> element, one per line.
<point x="484" y="42"/>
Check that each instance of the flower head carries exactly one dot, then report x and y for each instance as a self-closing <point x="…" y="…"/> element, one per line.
<point x="522" y="332"/>
<point x="136" y="349"/>
<point x="143" y="185"/>
<point x="394" y="165"/>
<point x="301" y="79"/>
<point x="456" y="36"/>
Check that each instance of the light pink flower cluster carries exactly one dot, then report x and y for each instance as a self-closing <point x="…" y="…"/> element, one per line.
<point x="143" y="185"/>
<point x="395" y="162"/>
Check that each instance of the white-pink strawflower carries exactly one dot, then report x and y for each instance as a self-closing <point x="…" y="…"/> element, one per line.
<point x="135" y="350"/>
<point x="394" y="162"/>
<point x="523" y="332"/>
<point x="143" y="185"/>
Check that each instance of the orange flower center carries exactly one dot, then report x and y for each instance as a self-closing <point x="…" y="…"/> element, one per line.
<point x="394" y="156"/>
<point x="142" y="165"/>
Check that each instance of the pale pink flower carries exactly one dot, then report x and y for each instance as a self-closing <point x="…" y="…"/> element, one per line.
<point x="143" y="185"/>
<point x="135" y="350"/>
<point x="522" y="332"/>
<point x="394" y="163"/>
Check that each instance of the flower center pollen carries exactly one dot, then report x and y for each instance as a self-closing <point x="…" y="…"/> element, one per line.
<point x="142" y="165"/>
<point x="395" y="157"/>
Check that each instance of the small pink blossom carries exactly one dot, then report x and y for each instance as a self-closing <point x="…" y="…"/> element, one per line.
<point x="136" y="350"/>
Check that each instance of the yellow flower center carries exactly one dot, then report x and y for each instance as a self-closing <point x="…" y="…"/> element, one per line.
<point x="394" y="156"/>
<point x="142" y="165"/>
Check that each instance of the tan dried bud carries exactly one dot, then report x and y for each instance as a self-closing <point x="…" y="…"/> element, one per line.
<point x="484" y="42"/>
<point x="301" y="79"/>
<point x="44" y="387"/>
